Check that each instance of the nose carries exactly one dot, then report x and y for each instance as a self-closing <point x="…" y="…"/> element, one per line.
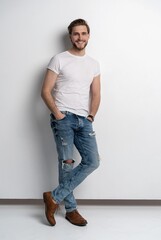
<point x="80" y="37"/>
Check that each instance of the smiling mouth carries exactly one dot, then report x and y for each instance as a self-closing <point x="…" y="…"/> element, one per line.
<point x="80" y="45"/>
<point x="80" y="42"/>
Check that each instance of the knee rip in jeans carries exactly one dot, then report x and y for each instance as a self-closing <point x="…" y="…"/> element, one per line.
<point x="68" y="161"/>
<point x="68" y="164"/>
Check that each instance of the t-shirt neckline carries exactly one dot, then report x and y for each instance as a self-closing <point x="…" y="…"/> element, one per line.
<point x="76" y="56"/>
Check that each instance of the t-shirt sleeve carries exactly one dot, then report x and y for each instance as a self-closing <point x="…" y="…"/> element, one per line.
<point x="97" y="69"/>
<point x="54" y="64"/>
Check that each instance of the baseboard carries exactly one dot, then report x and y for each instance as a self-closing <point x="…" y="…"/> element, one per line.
<point x="114" y="202"/>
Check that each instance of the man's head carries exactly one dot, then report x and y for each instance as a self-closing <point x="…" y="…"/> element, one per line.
<point x="79" y="34"/>
<point x="78" y="22"/>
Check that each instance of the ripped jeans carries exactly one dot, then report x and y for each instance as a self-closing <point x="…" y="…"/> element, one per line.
<point x="69" y="131"/>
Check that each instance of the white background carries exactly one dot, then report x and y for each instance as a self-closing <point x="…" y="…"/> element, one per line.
<point x="125" y="38"/>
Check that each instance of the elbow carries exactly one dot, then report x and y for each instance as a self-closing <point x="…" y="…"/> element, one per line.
<point x="97" y="96"/>
<point x="44" y="94"/>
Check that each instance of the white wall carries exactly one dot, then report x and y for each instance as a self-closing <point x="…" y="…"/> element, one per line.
<point x="125" y="38"/>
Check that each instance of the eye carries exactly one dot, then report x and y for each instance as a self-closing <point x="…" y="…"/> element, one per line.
<point x="75" y="34"/>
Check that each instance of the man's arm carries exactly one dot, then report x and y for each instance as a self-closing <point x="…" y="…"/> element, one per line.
<point x="46" y="93"/>
<point x="95" y="96"/>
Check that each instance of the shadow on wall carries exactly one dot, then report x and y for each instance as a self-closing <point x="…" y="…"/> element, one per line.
<point x="65" y="42"/>
<point x="45" y="145"/>
<point x="40" y="117"/>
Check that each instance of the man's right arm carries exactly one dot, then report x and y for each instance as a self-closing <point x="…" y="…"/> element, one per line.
<point x="46" y="93"/>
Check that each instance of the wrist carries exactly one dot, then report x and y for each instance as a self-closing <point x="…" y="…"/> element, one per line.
<point x="91" y="117"/>
<point x="58" y="115"/>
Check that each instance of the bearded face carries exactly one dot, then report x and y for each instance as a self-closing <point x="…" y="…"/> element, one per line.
<point x="79" y="37"/>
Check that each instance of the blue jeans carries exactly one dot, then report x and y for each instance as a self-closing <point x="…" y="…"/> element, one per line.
<point x="69" y="131"/>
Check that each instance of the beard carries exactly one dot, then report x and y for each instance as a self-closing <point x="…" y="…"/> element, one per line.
<point x="79" y="48"/>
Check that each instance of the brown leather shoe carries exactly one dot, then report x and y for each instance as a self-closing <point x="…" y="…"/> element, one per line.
<point x="75" y="218"/>
<point x="50" y="207"/>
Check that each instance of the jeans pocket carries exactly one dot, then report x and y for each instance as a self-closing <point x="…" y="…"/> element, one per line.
<point x="56" y="120"/>
<point x="88" y="120"/>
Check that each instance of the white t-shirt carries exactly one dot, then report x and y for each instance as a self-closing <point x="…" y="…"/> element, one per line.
<point x="75" y="75"/>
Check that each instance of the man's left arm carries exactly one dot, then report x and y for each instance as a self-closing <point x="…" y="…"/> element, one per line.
<point x="95" y="91"/>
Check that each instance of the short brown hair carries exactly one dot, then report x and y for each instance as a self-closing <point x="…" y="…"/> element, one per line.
<point x="78" y="22"/>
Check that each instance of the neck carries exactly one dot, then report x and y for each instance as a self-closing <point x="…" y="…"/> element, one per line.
<point x="77" y="52"/>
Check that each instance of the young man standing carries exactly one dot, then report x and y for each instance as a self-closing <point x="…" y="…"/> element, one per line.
<point x="71" y="90"/>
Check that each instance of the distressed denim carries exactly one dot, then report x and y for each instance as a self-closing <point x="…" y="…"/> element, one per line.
<point x="69" y="131"/>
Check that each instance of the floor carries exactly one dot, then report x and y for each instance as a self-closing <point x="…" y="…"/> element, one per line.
<point x="28" y="222"/>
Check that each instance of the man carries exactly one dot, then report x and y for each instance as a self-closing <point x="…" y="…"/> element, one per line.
<point x="71" y="90"/>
